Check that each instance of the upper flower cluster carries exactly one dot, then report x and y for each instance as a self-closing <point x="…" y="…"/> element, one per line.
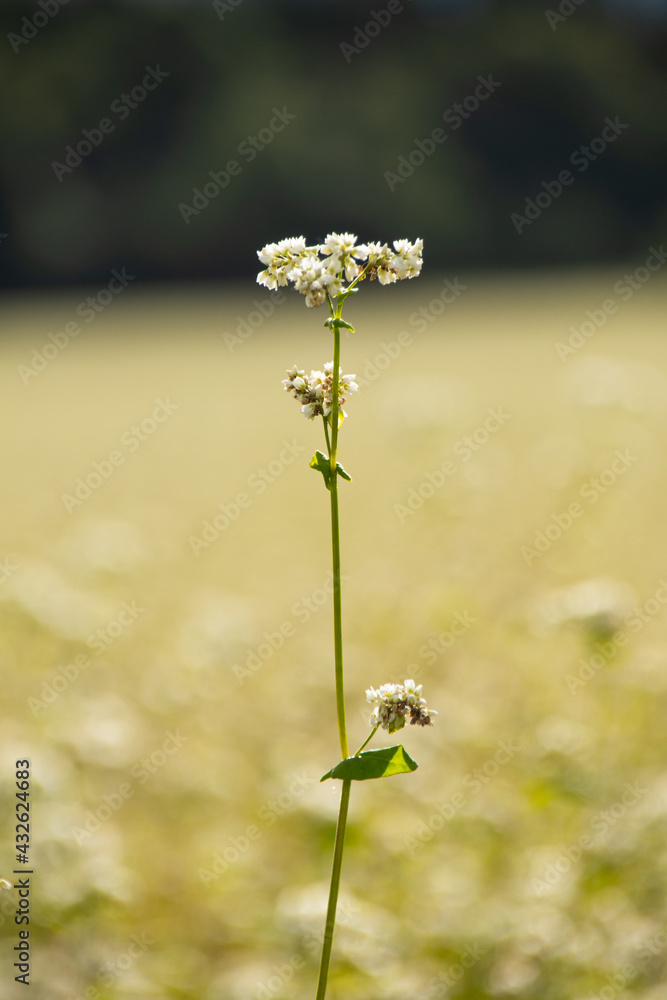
<point x="315" y="393"/>
<point x="320" y="270"/>
<point x="395" y="702"/>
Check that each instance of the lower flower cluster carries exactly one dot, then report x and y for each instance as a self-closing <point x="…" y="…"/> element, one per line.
<point x="394" y="703"/>
<point x="315" y="392"/>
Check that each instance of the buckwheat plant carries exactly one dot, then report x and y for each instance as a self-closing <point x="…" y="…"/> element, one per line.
<point x="330" y="273"/>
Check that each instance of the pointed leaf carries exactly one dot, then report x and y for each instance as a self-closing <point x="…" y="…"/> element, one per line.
<point x="373" y="764"/>
<point x="321" y="463"/>
<point x="332" y="322"/>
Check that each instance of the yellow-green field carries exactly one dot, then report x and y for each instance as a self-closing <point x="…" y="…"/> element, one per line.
<point x="177" y="705"/>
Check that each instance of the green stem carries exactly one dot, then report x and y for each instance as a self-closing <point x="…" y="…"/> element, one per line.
<point x="332" y="447"/>
<point x="333" y="892"/>
<point x="359" y="277"/>
<point x="326" y="436"/>
<point x="367" y="741"/>
<point x="335" y="549"/>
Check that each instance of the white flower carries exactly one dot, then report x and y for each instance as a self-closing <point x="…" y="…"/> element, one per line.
<point x="377" y="254"/>
<point x="290" y="248"/>
<point x="412" y="692"/>
<point x="269" y="279"/>
<point x="395" y="702"/>
<point x="341" y="251"/>
<point x="280" y="258"/>
<point x="404" y="261"/>
<point x="407" y="261"/>
<point x="312" y="278"/>
<point x="291" y="260"/>
<point x="386" y="275"/>
<point x="380" y="259"/>
<point x="339" y="243"/>
<point x="315" y="392"/>
<point x="346" y="383"/>
<point x="295" y="381"/>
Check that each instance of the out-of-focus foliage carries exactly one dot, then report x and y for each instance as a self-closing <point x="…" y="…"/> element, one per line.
<point x="357" y="113"/>
<point x="526" y="855"/>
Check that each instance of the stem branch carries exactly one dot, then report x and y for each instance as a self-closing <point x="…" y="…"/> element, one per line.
<point x="367" y="741"/>
<point x="326" y="437"/>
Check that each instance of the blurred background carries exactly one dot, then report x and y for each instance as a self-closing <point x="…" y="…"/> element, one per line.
<point x="359" y="99"/>
<point x="165" y="622"/>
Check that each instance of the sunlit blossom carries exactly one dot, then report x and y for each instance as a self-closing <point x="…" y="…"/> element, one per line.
<point x="318" y="272"/>
<point x="394" y="703"/>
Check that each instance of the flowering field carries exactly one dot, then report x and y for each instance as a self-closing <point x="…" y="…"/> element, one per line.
<point x="165" y="594"/>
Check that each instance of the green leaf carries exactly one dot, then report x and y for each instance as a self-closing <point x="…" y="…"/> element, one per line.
<point x="321" y="463"/>
<point x="373" y="764"/>
<point x="331" y="323"/>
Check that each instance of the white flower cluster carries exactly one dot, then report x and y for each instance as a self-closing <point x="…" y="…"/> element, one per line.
<point x="318" y="271"/>
<point x="395" y="702"/>
<point x="315" y="392"/>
